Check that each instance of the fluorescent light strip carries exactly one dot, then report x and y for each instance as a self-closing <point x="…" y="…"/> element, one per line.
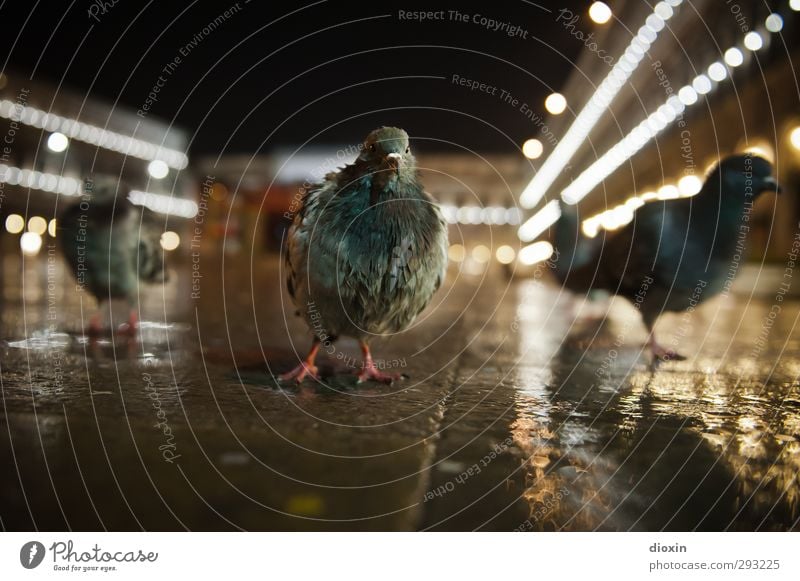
<point x="490" y="215"/>
<point x="66" y="186"/>
<point x="622" y="214"/>
<point x="92" y="134"/>
<point x="597" y="105"/>
<point x="535" y="253"/>
<point x="37" y="180"/>
<point x="656" y="122"/>
<point x="163" y="204"/>
<point x="540" y="221"/>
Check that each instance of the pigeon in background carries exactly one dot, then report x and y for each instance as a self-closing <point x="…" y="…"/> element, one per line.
<point x="366" y="251"/>
<point x="111" y="245"/>
<point x="675" y="253"/>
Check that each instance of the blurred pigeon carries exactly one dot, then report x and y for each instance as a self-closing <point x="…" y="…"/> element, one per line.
<point x="675" y="254"/>
<point x="366" y="251"/>
<point x="111" y="245"/>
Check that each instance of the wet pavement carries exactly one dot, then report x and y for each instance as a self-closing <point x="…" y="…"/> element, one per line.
<point x="525" y="409"/>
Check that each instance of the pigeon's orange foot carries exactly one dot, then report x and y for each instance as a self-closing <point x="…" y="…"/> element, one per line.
<point x="370" y="372"/>
<point x="299" y="373"/>
<point x="306" y="368"/>
<point x="373" y="374"/>
<point x="95" y="328"/>
<point x="131" y="327"/>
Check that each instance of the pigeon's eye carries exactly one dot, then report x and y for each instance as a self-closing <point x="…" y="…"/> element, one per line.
<point x="372" y="147"/>
<point x="408" y="148"/>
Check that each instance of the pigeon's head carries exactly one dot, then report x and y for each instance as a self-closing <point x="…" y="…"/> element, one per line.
<point x="387" y="149"/>
<point x="747" y="174"/>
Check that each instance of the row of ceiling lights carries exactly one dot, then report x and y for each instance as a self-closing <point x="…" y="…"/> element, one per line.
<point x="685" y="187"/>
<point x="599" y="12"/>
<point x="504" y="254"/>
<point x="636" y="139"/>
<point x="63" y="129"/>
<point x="622" y="214"/>
<point x="490" y="215"/>
<point x="58" y="142"/>
<point x="657" y="121"/>
<point x="54" y="183"/>
<point x="597" y="104"/>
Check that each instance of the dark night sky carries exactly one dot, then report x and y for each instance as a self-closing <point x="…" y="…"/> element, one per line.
<point x="241" y="62"/>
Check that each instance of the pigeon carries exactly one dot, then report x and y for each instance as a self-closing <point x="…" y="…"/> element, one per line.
<point x="365" y="252"/>
<point x="110" y="244"/>
<point x="675" y="254"/>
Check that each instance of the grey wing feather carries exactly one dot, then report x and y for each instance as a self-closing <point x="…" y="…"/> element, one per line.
<point x="296" y="256"/>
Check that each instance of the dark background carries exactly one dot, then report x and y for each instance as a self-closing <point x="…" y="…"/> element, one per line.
<point x="225" y="80"/>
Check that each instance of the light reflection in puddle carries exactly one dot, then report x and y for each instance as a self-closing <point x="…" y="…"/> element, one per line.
<point x="709" y="438"/>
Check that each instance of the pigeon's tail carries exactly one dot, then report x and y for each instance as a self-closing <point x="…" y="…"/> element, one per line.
<point x="576" y="251"/>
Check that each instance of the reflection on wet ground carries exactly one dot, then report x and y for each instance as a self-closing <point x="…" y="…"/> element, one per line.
<point x="525" y="410"/>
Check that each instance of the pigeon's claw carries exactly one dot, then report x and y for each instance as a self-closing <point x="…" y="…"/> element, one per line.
<point x="299" y="373"/>
<point x="305" y="369"/>
<point x="369" y="371"/>
<point x="95" y="327"/>
<point x="374" y="374"/>
<point x="131" y="327"/>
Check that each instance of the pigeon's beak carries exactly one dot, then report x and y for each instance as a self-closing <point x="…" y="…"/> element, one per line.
<point x="771" y="184"/>
<point x="393" y="159"/>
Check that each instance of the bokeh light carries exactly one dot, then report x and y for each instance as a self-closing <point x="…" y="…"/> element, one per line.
<point x="30" y="243"/>
<point x="157" y="169"/>
<point x="555" y="104"/>
<point x="457" y="252"/>
<point x="505" y="254"/>
<point x="57" y="142"/>
<point x="38" y="225"/>
<point x="170" y="240"/>
<point x="599" y="12"/>
<point x="14" y="223"/>
<point x="532" y="148"/>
